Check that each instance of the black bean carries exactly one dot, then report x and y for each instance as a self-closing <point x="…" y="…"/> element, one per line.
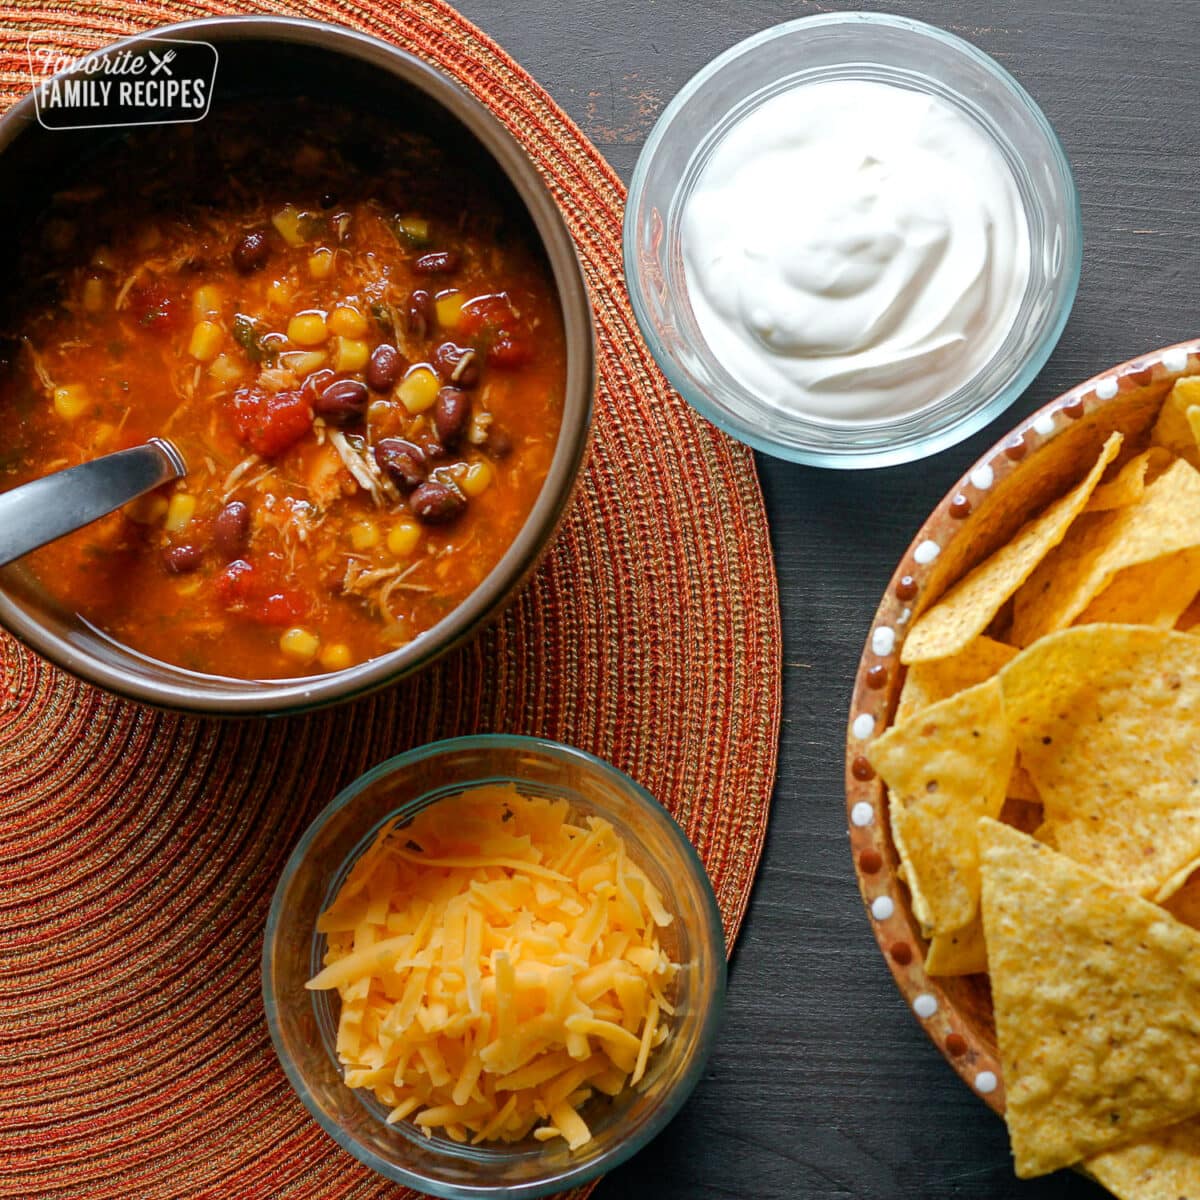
<point x="316" y="383"/>
<point x="343" y="402"/>
<point x="384" y="368"/>
<point x="434" y="503"/>
<point x="182" y="559"/>
<point x="231" y="530"/>
<point x="440" y="262"/>
<point x="252" y="251"/>
<point x="421" y="312"/>
<point x="458" y="365"/>
<point x="401" y="461"/>
<point x="499" y="444"/>
<point x="451" y="412"/>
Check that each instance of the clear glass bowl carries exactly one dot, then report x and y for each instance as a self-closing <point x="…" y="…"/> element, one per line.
<point x="303" y="1024"/>
<point x="886" y="49"/>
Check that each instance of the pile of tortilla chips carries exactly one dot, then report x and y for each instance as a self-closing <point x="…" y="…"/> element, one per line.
<point x="1043" y="775"/>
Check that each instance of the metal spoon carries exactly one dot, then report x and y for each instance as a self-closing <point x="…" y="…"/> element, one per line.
<point x="36" y="513"/>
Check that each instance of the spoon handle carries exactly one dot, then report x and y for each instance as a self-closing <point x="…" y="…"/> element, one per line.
<point x="36" y="513"/>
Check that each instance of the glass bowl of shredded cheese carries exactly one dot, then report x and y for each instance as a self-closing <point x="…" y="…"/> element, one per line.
<point x="493" y="966"/>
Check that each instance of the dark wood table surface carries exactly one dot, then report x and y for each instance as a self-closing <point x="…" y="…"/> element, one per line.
<point x="822" y="1086"/>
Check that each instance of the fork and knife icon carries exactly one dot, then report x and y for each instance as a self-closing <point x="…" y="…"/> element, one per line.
<point x="161" y="64"/>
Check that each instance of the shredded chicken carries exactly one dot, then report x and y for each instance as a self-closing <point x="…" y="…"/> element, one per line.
<point x="39" y="367"/>
<point x="233" y="479"/>
<point x="362" y="581"/>
<point x="276" y="379"/>
<point x="462" y="365"/>
<point x="123" y="294"/>
<point x="364" y="469"/>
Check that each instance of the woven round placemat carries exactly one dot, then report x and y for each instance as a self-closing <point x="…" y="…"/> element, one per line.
<point x="139" y="850"/>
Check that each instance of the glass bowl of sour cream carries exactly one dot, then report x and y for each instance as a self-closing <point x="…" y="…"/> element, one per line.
<point x="852" y="240"/>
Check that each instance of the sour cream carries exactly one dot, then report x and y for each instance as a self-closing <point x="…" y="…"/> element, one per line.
<point x="855" y="251"/>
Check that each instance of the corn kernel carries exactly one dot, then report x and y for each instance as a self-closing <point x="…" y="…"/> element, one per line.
<point x="287" y="222"/>
<point x="347" y="321"/>
<point x="320" y="263"/>
<point x="146" y="510"/>
<point x="225" y="369"/>
<point x="403" y="538"/>
<point x="414" y="230"/>
<point x="280" y="293"/>
<point x="478" y="478"/>
<point x="303" y="362"/>
<point x="418" y="390"/>
<point x="189" y="587"/>
<point x="449" y="307"/>
<point x="102" y="435"/>
<point x="71" y="400"/>
<point x="93" y="295"/>
<point x="206" y="341"/>
<point x="180" y="508"/>
<point x="350" y="354"/>
<point x="300" y="645"/>
<point x="337" y="657"/>
<point x="307" y="328"/>
<point x="364" y="535"/>
<point x="206" y="301"/>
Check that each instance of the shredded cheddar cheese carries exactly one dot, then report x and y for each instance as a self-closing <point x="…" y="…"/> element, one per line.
<point x="498" y="967"/>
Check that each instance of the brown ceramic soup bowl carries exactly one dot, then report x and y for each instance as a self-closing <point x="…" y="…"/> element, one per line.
<point x="1014" y="480"/>
<point x="278" y="58"/>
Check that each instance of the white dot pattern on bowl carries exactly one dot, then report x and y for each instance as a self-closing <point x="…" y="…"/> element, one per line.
<point x="863" y="727"/>
<point x="1106" y="389"/>
<point x="925" y="1006"/>
<point x="1175" y="361"/>
<point x="862" y="814"/>
<point x="904" y="617"/>
<point x="1044" y="424"/>
<point x="986" y="1083"/>
<point x="883" y="640"/>
<point x="883" y="908"/>
<point x="926" y="552"/>
<point x="982" y="477"/>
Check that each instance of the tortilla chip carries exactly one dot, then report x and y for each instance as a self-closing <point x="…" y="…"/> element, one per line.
<point x="1097" y="1000"/>
<point x="945" y="767"/>
<point x="1163" y="1166"/>
<point x="928" y="682"/>
<point x="1021" y="785"/>
<point x="1165" y="520"/>
<point x="960" y="953"/>
<point x="1174" y="428"/>
<point x="1129" y="483"/>
<point x="1152" y="593"/>
<point x="1106" y="720"/>
<point x="968" y="607"/>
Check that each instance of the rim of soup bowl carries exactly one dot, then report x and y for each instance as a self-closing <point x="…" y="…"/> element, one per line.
<point x="65" y="642"/>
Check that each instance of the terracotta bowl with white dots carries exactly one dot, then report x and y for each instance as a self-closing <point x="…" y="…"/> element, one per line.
<point x="1027" y="469"/>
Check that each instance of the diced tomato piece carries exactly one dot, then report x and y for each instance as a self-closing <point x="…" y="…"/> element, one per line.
<point x="269" y="422"/>
<point x="281" y="608"/>
<point x="490" y="312"/>
<point x="255" y="591"/>
<point x="234" y="583"/>
<point x="155" y="309"/>
<point x="509" y="351"/>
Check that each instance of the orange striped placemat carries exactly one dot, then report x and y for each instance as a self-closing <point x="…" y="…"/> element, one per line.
<point x="139" y="850"/>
